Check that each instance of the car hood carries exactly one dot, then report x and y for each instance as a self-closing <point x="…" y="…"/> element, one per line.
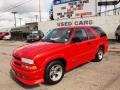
<point x="32" y="50"/>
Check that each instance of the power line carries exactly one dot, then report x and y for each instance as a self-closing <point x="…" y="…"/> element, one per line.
<point x="16" y="6"/>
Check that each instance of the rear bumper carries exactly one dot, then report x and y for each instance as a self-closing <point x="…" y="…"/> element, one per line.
<point x="7" y="37"/>
<point x="32" y="40"/>
<point x="106" y="47"/>
<point x="28" y="77"/>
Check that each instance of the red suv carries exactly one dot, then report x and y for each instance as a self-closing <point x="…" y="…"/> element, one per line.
<point x="60" y="50"/>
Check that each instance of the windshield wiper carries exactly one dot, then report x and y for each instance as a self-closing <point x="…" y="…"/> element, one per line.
<point x="52" y="41"/>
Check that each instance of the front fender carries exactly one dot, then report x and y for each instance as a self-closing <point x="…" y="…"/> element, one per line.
<point x="42" y="62"/>
<point x="52" y="58"/>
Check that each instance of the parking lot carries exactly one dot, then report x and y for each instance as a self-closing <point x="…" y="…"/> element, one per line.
<point x="103" y="75"/>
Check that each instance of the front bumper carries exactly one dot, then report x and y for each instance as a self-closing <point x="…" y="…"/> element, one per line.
<point x="28" y="77"/>
<point x="30" y="40"/>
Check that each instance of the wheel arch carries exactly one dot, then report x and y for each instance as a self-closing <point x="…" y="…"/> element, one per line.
<point x="60" y="59"/>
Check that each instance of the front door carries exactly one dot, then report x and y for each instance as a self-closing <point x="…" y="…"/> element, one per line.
<point x="81" y="47"/>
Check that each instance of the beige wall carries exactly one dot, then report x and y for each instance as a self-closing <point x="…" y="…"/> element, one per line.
<point x="108" y="23"/>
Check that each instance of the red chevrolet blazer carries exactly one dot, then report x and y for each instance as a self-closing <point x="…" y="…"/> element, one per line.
<point x="60" y="50"/>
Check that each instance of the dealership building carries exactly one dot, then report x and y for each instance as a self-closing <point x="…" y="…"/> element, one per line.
<point x="84" y="12"/>
<point x="74" y="8"/>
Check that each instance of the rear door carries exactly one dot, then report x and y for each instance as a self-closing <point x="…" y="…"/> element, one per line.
<point x="92" y="43"/>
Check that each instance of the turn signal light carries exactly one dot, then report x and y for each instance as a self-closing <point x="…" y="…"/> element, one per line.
<point x="31" y="67"/>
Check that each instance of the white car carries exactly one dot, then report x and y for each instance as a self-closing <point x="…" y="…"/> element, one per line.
<point x="7" y="36"/>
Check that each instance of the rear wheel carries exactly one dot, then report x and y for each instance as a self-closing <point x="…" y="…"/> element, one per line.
<point x="54" y="72"/>
<point x="99" y="55"/>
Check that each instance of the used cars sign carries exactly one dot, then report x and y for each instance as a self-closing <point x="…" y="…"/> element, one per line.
<point x="74" y="23"/>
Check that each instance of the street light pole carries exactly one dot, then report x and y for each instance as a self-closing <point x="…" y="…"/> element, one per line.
<point x="20" y="20"/>
<point x="36" y="17"/>
<point x="39" y="10"/>
<point x="14" y="17"/>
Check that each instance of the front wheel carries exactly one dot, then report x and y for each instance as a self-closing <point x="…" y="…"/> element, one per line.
<point x="54" y="73"/>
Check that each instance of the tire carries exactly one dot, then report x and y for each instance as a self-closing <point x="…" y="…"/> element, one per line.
<point x="54" y="72"/>
<point x="118" y="38"/>
<point x="99" y="55"/>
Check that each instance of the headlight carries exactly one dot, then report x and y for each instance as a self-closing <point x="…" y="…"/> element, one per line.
<point x="27" y="61"/>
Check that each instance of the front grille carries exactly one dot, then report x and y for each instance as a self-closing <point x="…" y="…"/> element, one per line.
<point x="16" y="63"/>
<point x="17" y="58"/>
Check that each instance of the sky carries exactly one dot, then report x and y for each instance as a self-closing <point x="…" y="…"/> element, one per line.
<point x="27" y="11"/>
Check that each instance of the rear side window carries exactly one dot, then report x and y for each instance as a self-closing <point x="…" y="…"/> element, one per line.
<point x="90" y="34"/>
<point x="99" y="31"/>
<point x="81" y="34"/>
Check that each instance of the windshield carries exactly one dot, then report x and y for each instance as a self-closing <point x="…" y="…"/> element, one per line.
<point x="58" y="35"/>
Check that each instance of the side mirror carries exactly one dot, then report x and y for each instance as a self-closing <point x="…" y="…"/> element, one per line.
<point x="76" y="39"/>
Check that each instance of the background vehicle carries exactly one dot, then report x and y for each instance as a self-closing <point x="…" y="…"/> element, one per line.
<point x="61" y="49"/>
<point x="1" y="35"/>
<point x="5" y="35"/>
<point x="35" y="36"/>
<point x="117" y="33"/>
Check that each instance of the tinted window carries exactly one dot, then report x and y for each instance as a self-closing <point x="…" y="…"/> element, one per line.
<point x="99" y="31"/>
<point x="81" y="34"/>
<point x="90" y="34"/>
<point x="59" y="35"/>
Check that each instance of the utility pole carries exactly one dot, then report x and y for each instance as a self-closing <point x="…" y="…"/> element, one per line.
<point x="114" y="9"/>
<point x="36" y="17"/>
<point x="100" y="10"/>
<point x="14" y="17"/>
<point x="96" y="9"/>
<point x="106" y="9"/>
<point x="20" y="20"/>
<point x="39" y="10"/>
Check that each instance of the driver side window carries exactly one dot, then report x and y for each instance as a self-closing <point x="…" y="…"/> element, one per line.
<point x="81" y="34"/>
